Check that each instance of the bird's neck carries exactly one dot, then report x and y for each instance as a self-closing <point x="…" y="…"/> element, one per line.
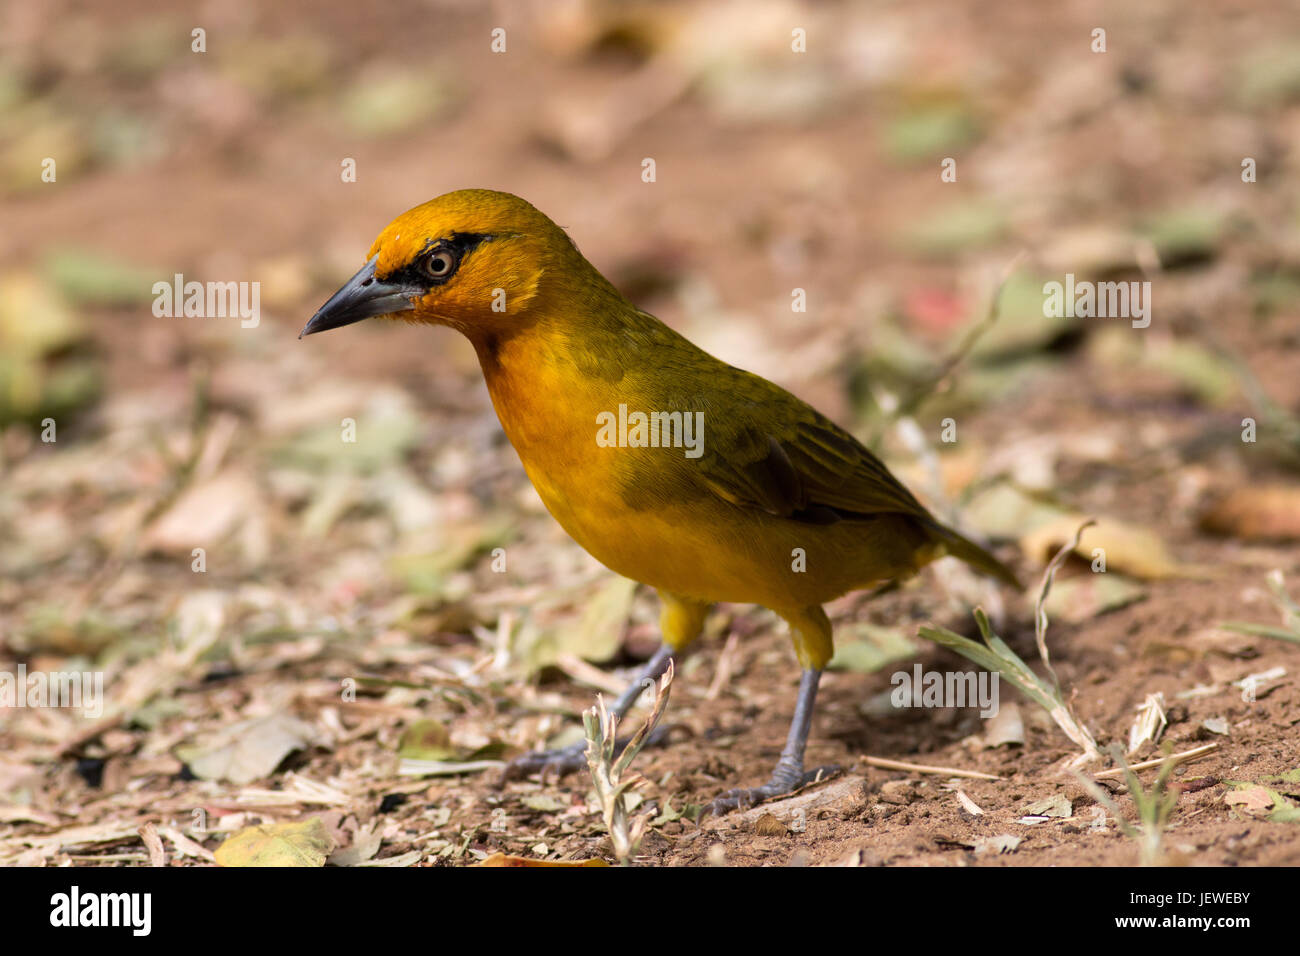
<point x="552" y="374"/>
<point x="535" y="388"/>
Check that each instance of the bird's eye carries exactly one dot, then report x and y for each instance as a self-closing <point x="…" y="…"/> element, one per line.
<point x="440" y="264"/>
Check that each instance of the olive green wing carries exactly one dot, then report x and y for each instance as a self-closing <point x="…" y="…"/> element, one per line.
<point x="800" y="465"/>
<point x="765" y="449"/>
<point x="771" y="451"/>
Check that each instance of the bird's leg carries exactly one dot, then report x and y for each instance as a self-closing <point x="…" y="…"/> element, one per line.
<point x="811" y="631"/>
<point x="788" y="775"/>
<point x="680" y="620"/>
<point x="564" y="760"/>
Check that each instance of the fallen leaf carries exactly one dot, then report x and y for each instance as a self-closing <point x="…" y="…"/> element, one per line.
<point x="402" y="859"/>
<point x="426" y="740"/>
<point x="1005" y="511"/>
<point x="599" y="633"/>
<point x="1149" y="723"/>
<point x="1250" y="799"/>
<point x="1185" y="233"/>
<point x="969" y="805"/>
<point x="1202" y="372"/>
<point x="1007" y="726"/>
<point x="365" y="844"/>
<point x="543" y="803"/>
<point x="203" y="515"/>
<point x="1256" y="513"/>
<point x="1127" y="547"/>
<point x="1054" y="806"/>
<point x="1090" y="251"/>
<point x="1086" y="596"/>
<point x="1255" y="799"/>
<point x="307" y="843"/>
<point x="248" y="750"/>
<point x="1216" y="725"/>
<point x="768" y="825"/>
<point x="22" y="814"/>
<point x="929" y="130"/>
<point x="1269" y="75"/>
<point x="996" y="845"/>
<point x="1021" y="328"/>
<point x="153" y="843"/>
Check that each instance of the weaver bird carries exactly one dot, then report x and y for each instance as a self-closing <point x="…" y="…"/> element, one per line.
<point x="752" y="496"/>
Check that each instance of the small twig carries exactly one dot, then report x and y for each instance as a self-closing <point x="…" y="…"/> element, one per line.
<point x="584" y="673"/>
<point x="885" y="764"/>
<point x="1040" y="612"/>
<point x="1174" y="759"/>
<point x="153" y="843"/>
<point x="722" y="675"/>
<point x="969" y="805"/>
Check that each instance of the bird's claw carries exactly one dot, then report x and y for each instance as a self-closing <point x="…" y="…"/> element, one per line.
<point x="743" y="798"/>
<point x="565" y="760"/>
<point x="557" y="763"/>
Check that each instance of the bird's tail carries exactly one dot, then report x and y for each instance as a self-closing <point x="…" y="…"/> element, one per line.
<point x="974" y="555"/>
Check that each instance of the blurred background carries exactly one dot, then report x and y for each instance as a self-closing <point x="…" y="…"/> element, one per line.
<point x="796" y="146"/>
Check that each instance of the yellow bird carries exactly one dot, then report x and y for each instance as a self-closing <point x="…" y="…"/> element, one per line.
<point x="669" y="466"/>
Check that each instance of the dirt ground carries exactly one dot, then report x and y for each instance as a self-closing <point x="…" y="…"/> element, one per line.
<point x="351" y="614"/>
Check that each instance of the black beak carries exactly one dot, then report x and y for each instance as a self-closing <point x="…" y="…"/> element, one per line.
<point x="362" y="297"/>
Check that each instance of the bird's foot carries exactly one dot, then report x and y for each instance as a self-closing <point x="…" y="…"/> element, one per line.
<point x="549" y="763"/>
<point x="784" y="781"/>
<point x="565" y="760"/>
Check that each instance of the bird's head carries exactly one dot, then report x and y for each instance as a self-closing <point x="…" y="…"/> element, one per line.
<point x="472" y="259"/>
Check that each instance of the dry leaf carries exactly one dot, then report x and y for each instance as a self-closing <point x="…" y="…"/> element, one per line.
<point x="1127" y="547"/>
<point x="1007" y="726"/>
<point x="768" y="825"/>
<point x="20" y="814"/>
<point x="427" y="740"/>
<point x="996" y="845"/>
<point x="599" y="633"/>
<point x="1216" y="725"/>
<point x="1254" y="513"/>
<point x="248" y="750"/>
<point x="1251" y="800"/>
<point x="1055" y="806"/>
<point x="203" y="515"/>
<point x="365" y="844"/>
<point x="1085" y="596"/>
<point x="1149" y="724"/>
<point x="152" y="843"/>
<point x="307" y="843"/>
<point x="969" y="805"/>
<point x="185" y="846"/>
